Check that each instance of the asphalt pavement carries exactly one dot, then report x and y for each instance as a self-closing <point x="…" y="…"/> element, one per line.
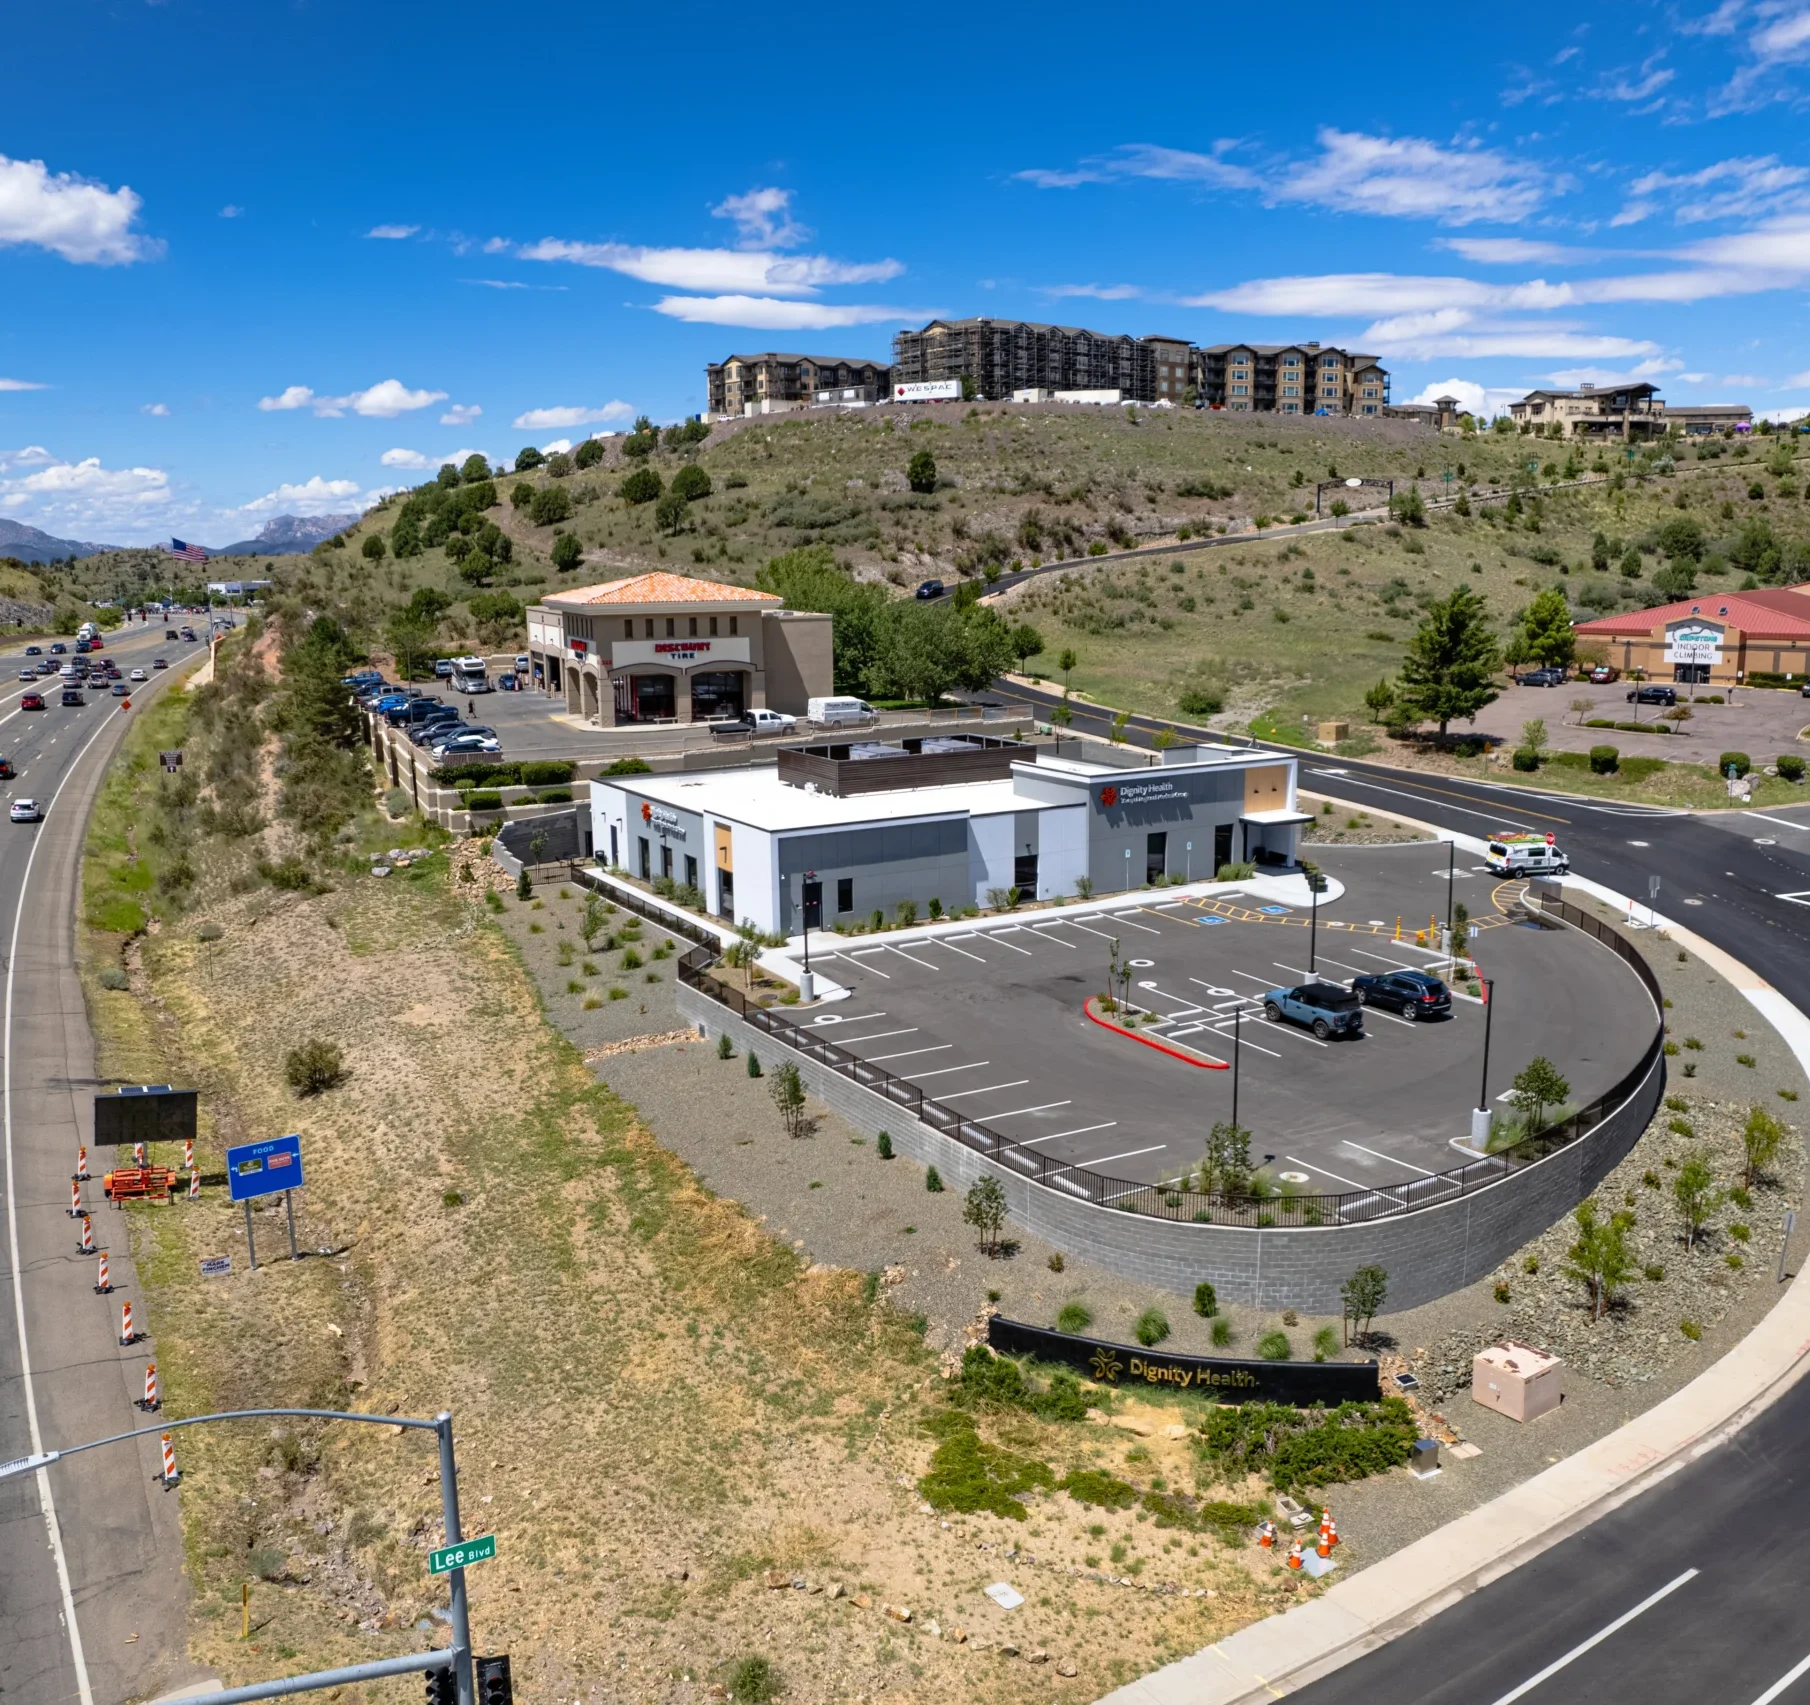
<point x="1688" y="1592"/>
<point x="92" y="1594"/>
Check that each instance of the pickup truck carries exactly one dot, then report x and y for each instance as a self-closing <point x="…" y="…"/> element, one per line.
<point x="758" y="722"/>
<point x="1326" y="1009"/>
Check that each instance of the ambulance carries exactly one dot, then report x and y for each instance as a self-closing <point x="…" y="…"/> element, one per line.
<point x="1525" y="855"/>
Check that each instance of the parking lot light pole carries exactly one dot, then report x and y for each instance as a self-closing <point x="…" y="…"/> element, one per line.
<point x="1451" y="884"/>
<point x="1237" y="1014"/>
<point x="1480" y="1120"/>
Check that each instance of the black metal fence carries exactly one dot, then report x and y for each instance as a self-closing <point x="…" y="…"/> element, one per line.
<point x="1172" y="1201"/>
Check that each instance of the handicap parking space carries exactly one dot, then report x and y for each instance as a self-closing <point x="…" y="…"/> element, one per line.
<point x="990" y="1022"/>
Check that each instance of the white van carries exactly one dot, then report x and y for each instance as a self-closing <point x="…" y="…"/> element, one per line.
<point x="1526" y="855"/>
<point x="840" y="713"/>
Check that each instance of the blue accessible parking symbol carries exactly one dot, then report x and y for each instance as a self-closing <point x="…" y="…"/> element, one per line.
<point x="1275" y="911"/>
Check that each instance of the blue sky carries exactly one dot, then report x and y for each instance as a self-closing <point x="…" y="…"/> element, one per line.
<point x="259" y="258"/>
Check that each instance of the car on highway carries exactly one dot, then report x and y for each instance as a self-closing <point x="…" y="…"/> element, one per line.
<point x="47" y="667"/>
<point x="26" y="811"/>
<point x="140" y="675"/>
<point x="1653" y="692"/>
<point x="31" y="701"/>
<point x="73" y="696"/>
<point x="119" y="689"/>
<point x="160" y="662"/>
<point x="1413" y="994"/>
<point x="929" y="589"/>
<point x="7" y="772"/>
<point x="171" y="633"/>
<point x="34" y="651"/>
<point x="1327" y="1009"/>
<point x="58" y="648"/>
<point x="28" y="674"/>
<point x="1543" y="678"/>
<point x="1604" y="673"/>
<point x="188" y="634"/>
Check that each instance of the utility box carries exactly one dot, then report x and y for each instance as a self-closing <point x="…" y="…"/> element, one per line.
<point x="1517" y="1380"/>
<point x="1331" y="733"/>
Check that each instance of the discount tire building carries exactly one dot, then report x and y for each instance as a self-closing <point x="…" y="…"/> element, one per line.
<point x="845" y="829"/>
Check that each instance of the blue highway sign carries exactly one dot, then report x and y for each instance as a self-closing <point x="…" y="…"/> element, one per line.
<point x="264" y="1169"/>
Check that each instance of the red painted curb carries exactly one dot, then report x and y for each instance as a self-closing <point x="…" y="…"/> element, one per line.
<point x="1162" y="1048"/>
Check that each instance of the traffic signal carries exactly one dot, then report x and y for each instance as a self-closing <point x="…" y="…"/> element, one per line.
<point x="442" y="1687"/>
<point x="494" y="1686"/>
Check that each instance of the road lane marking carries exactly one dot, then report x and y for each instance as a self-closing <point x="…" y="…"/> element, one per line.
<point x="1783" y="822"/>
<point x="1597" y="1639"/>
<point x="1783" y="1682"/>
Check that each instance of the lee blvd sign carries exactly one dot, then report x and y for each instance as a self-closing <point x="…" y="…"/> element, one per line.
<point x="462" y="1555"/>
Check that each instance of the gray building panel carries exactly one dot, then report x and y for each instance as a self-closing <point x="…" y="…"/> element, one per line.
<point x="884" y="865"/>
<point x="1185" y="806"/>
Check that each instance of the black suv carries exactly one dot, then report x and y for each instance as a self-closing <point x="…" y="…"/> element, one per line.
<point x="1653" y="692"/>
<point x="1413" y="994"/>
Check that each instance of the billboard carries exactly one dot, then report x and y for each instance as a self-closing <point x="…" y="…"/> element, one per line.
<point x="144" y="1113"/>
<point x="1693" y="641"/>
<point x="264" y="1169"/>
<point x="929" y="391"/>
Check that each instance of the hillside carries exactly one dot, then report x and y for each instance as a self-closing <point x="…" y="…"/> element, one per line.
<point x="32" y="545"/>
<point x="1293" y="628"/>
<point x="289" y="535"/>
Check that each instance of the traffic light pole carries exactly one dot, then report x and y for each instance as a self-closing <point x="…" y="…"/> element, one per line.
<point x="455" y="1658"/>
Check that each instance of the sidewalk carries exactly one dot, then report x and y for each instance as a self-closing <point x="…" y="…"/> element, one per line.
<point x="1284" y="1653"/>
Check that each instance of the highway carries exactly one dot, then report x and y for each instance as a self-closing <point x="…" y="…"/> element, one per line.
<point x="1686" y="1593"/>
<point x="92" y="1595"/>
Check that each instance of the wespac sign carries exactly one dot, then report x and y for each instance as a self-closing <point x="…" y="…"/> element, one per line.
<point x="1227" y="1379"/>
<point x="1117" y="794"/>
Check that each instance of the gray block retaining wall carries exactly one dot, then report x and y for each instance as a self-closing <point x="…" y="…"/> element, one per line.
<point x="1427" y="1253"/>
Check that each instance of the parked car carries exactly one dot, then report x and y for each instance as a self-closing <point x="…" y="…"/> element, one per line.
<point x="485" y="743"/>
<point x="1543" y="678"/>
<point x="1525" y="855"/>
<point x="160" y="662"/>
<point x="432" y="730"/>
<point x="1327" y="1009"/>
<point x="443" y="667"/>
<point x="26" y="811"/>
<point x="1604" y="673"/>
<point x="140" y="675"/>
<point x="462" y="683"/>
<point x="31" y="701"/>
<point x="469" y="664"/>
<point x="521" y="663"/>
<point x="929" y="589"/>
<point x="1414" y="994"/>
<point x="1803" y="692"/>
<point x="1653" y="692"/>
<point x="765" y="722"/>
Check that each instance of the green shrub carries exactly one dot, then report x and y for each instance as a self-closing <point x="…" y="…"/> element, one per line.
<point x="1326" y="1343"/>
<point x="1299" y="1448"/>
<point x="290" y="874"/>
<point x="691" y="482"/>
<point x="752" y="1680"/>
<point x="1739" y="762"/>
<point x="554" y="796"/>
<point x="642" y="486"/>
<point x="1274" y="1346"/>
<point x="484" y="799"/>
<point x="1201" y="701"/>
<point x="543" y="772"/>
<point x="1790" y="767"/>
<point x="313" y="1068"/>
<point x="1000" y="1381"/>
<point x="1074" y="1318"/>
<point x="1604" y="760"/>
<point x="883" y="1145"/>
<point x="552" y="503"/>
<point x="1526" y="761"/>
<point x="1206" y="1299"/>
<point x="725" y="1049"/>
<point x="1103" y="1491"/>
<point x="1152" y="1328"/>
<point x="933" y="1181"/>
<point x="753" y="1058"/>
<point x="969" y="1475"/>
<point x="1222" y="1331"/>
<point x="114" y="978"/>
<point x="630" y="767"/>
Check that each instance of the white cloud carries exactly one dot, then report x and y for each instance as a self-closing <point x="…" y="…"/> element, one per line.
<point x="1740" y="188"/>
<point x="764" y="313"/>
<point x="314" y="496"/>
<point x="1779" y="42"/>
<point x="764" y="219"/>
<point x="536" y="418"/>
<point x="81" y="221"/>
<point x="1514" y="251"/>
<point x="415" y="461"/>
<point x="392" y="233"/>
<point x="383" y="401"/>
<point x="1098" y="292"/>
<point x="161" y="410"/>
<point x="1483" y="401"/>
<point x="33" y="455"/>
<point x="1349" y="293"/>
<point x="461" y="414"/>
<point x="1654" y="367"/>
<point x="716" y="269"/>
<point x="230" y="212"/>
<point x="80" y="498"/>
<point x="1452" y="333"/>
<point x="1750" y="381"/>
<point x="1399" y="177"/>
<point x="556" y="446"/>
<point x="22" y="385"/>
<point x="497" y="245"/>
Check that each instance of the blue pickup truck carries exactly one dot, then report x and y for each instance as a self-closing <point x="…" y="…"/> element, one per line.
<point x="1324" y="1008"/>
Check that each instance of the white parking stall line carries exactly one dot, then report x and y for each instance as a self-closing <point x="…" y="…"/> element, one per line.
<point x="1390" y="1159"/>
<point x="859" y="964"/>
<point x="1186" y="1011"/>
<point x="944" y="1071"/>
<point x="1042" y="932"/>
<point x="1057" y="1136"/>
<point x="944" y="941"/>
<point x="1013" y="1113"/>
<point x="1308" y="1166"/>
<point x="1122" y="918"/>
<point x="1383" y="959"/>
<point x="957" y="1094"/>
<point x="929" y="965"/>
<point x="1103" y="934"/>
<point x="1796" y="1670"/>
<point x="878" y="1036"/>
<point x="908" y="1053"/>
<point x="834" y="1018"/>
<point x="1223" y="1030"/>
<point x="994" y="936"/>
<point x="1127" y="1154"/>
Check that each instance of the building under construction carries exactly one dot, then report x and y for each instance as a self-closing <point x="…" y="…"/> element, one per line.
<point x="1003" y="357"/>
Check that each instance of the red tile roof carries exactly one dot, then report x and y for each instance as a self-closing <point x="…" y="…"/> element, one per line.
<point x="1772" y="612"/>
<point x="662" y="588"/>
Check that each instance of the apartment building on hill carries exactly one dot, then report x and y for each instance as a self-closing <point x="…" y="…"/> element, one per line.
<point x="775" y="382"/>
<point x="1291" y="378"/>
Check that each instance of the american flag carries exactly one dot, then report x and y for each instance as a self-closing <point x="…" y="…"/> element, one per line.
<point x="187" y="553"/>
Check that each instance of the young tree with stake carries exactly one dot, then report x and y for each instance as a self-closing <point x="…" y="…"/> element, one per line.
<point x="984" y="1208"/>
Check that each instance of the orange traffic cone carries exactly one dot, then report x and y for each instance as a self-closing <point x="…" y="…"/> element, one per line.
<point x="138" y="1154"/>
<point x="102" y="1284"/>
<point x="170" y="1476"/>
<point x="1294" y="1556"/>
<point x="81" y="1173"/>
<point x="1332" y="1532"/>
<point x="194" y="1186"/>
<point x="1266" y="1535"/>
<point x="74" y="1210"/>
<point x="1324" y="1548"/>
<point x="126" y="1334"/>
<point x="150" y="1402"/>
<point x="86" y="1246"/>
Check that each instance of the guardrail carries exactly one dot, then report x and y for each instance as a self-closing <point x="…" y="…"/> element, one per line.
<point x="1170" y="1201"/>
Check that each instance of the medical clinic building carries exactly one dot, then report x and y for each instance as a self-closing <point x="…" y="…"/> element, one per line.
<point x="667" y="648"/>
<point x="848" y="829"/>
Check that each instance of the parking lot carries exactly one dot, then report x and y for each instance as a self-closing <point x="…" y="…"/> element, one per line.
<point x="990" y="1022"/>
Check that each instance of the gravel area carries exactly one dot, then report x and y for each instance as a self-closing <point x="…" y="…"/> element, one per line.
<point x="832" y="1198"/>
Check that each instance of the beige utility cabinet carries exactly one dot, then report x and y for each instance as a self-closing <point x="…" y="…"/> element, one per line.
<point x="1517" y="1380"/>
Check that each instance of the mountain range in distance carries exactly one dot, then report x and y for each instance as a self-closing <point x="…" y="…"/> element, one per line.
<point x="281" y="535"/>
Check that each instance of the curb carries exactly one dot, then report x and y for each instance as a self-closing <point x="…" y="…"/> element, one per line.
<point x="1087" y="1008"/>
<point x="1284" y="1653"/>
